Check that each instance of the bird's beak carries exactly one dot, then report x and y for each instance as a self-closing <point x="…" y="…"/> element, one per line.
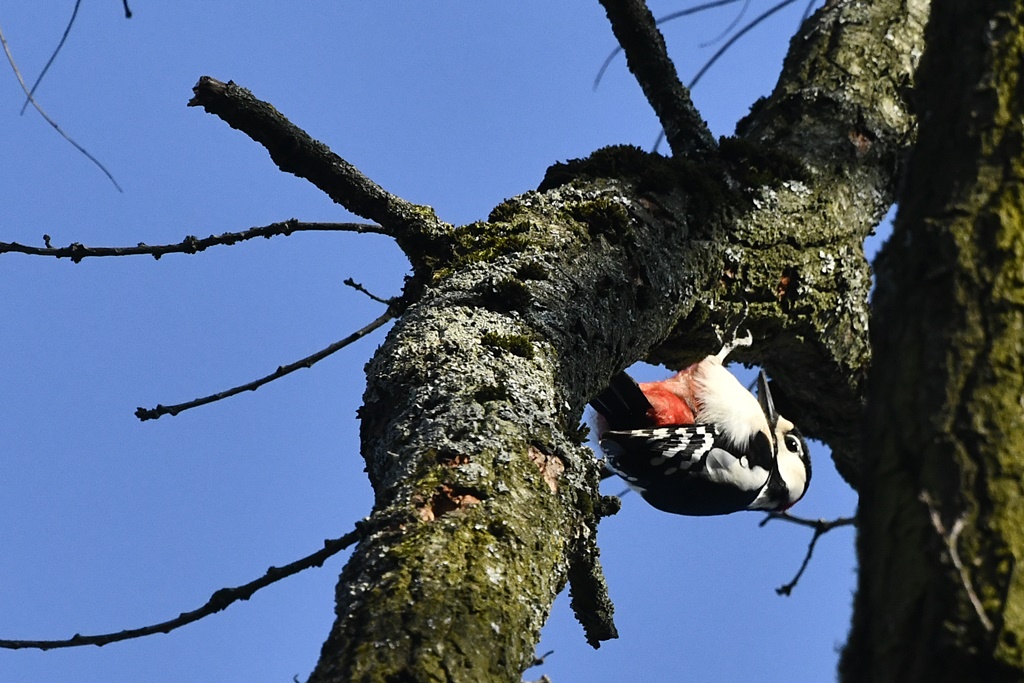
<point x="764" y="397"/>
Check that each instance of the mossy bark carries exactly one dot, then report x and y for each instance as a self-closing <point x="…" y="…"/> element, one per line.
<point x="944" y="438"/>
<point x="486" y="504"/>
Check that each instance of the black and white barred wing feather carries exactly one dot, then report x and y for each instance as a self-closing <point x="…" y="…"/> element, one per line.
<point x="682" y="470"/>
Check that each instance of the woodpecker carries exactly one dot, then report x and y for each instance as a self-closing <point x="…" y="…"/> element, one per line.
<point x="699" y="443"/>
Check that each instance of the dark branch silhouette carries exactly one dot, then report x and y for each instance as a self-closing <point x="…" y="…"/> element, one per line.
<point x="49" y="62"/>
<point x="416" y="228"/>
<point x="820" y="526"/>
<point x="220" y="600"/>
<point x="349" y="282"/>
<point x="46" y="117"/>
<point x="808" y="10"/>
<point x="637" y="32"/>
<point x="661" y="20"/>
<point x="190" y="245"/>
<point x="753" y="23"/>
<point x="153" y="413"/>
<point x="718" y="54"/>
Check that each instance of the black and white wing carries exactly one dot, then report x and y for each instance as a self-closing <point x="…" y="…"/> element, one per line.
<point x="681" y="469"/>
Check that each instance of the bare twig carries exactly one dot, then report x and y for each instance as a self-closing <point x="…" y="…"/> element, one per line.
<point x="539" y="661"/>
<point x="753" y="23"/>
<point x="190" y="245"/>
<point x="153" y="413"/>
<point x="127" y="11"/>
<point x="220" y="600"/>
<point x="416" y="228"/>
<point x="728" y="29"/>
<point x="950" y="538"/>
<point x="46" y="117"/>
<point x="49" y="62"/>
<point x="648" y="60"/>
<point x="820" y="526"/>
<point x="349" y="282"/>
<point x="808" y="10"/>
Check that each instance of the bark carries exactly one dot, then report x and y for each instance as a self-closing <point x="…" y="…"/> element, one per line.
<point x="941" y="514"/>
<point x="486" y="504"/>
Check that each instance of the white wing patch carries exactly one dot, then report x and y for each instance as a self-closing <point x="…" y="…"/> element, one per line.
<point x="725" y="468"/>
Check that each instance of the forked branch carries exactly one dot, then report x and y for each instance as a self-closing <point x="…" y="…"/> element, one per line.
<point x="820" y="526"/>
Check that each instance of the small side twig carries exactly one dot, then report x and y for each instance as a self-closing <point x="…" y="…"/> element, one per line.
<point x="46" y="117"/>
<point x="153" y="413"/>
<point x="219" y="601"/>
<point x="647" y="58"/>
<point x="190" y="245"/>
<point x="950" y="538"/>
<point x="539" y="661"/>
<point x="349" y="282"/>
<point x="820" y="526"/>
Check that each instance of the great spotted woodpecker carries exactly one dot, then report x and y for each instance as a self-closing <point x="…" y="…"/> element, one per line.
<point x="699" y="443"/>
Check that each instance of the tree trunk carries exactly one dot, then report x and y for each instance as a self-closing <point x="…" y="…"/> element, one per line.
<point x="941" y="508"/>
<point x="486" y="503"/>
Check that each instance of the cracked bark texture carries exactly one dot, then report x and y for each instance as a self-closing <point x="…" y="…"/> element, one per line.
<point x="486" y="503"/>
<point x="945" y="427"/>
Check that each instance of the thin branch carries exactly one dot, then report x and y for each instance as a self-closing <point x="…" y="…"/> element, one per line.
<point x="739" y="34"/>
<point x="190" y="245"/>
<point x="635" y="29"/>
<point x="46" y="117"/>
<point x="153" y="413"/>
<point x="661" y="20"/>
<point x="220" y="600"/>
<point x="951" y="538"/>
<point x="416" y="228"/>
<point x="820" y="526"/>
<point x="349" y="282"/>
<point x="539" y="661"/>
<point x="728" y="29"/>
<point x="807" y="11"/>
<point x="127" y="11"/>
<point x="49" y="62"/>
<point x="718" y="54"/>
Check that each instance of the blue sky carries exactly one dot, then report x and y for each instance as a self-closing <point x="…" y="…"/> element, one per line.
<point x="108" y="523"/>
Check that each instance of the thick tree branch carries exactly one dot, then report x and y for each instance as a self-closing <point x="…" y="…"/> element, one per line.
<point x="416" y="228"/>
<point x="220" y="600"/>
<point x="153" y="413"/>
<point x="190" y="245"/>
<point x="648" y="60"/>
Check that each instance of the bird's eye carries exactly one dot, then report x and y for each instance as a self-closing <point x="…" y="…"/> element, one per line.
<point x="792" y="443"/>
